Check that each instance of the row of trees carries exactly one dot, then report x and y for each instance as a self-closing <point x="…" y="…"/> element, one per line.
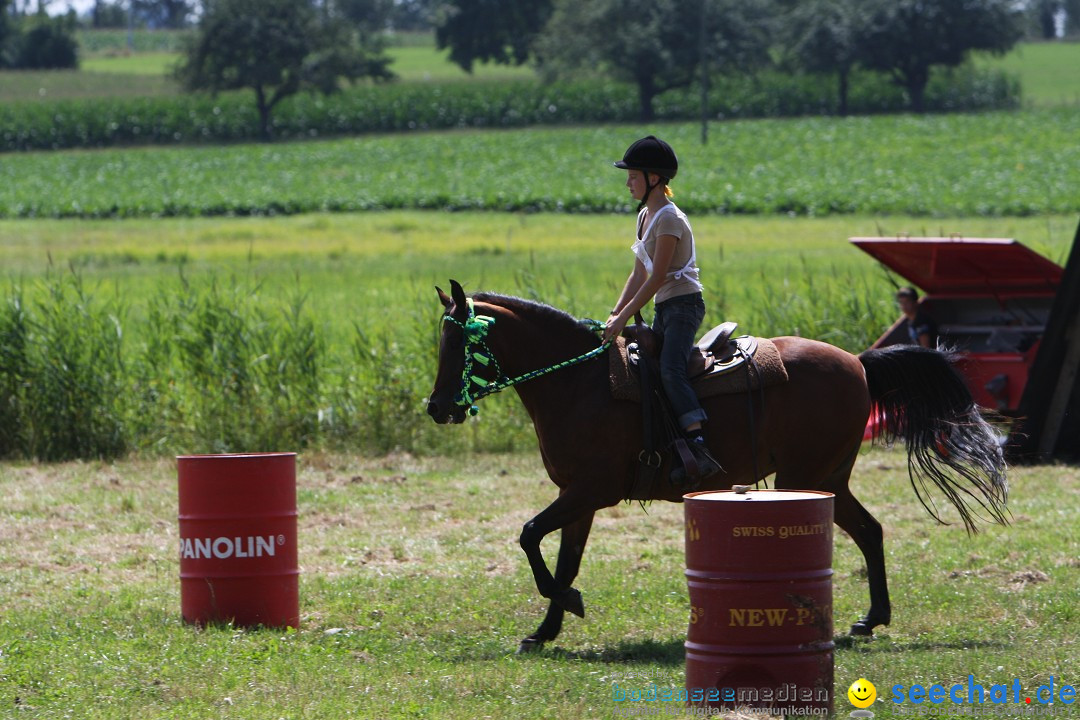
<point x="1042" y="17"/>
<point x="660" y="45"/>
<point x="372" y="15"/>
<point x="35" y="41"/>
<point x="279" y="47"/>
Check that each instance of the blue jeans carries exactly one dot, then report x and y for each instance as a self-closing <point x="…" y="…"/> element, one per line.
<point x="678" y="320"/>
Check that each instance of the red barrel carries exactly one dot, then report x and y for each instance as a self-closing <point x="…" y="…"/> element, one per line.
<point x="759" y="571"/>
<point x="238" y="559"/>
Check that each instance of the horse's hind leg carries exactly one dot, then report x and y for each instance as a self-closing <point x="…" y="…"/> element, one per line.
<point x="857" y="522"/>
<point x="571" y="549"/>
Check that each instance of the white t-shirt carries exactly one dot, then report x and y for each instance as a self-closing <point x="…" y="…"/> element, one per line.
<point x="684" y="279"/>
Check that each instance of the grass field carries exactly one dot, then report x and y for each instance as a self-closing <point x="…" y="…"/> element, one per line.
<point x="366" y="286"/>
<point x="1049" y="72"/>
<point x="414" y="595"/>
<point x="149" y="63"/>
<point x="46" y="85"/>
<point x="119" y="73"/>
<point x="356" y="266"/>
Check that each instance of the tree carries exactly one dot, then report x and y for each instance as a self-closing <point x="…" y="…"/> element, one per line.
<point x="38" y="42"/>
<point x="108" y="15"/>
<point x="163" y="13"/>
<point x="5" y="33"/>
<point x="1072" y="17"/>
<point x="370" y="16"/>
<point x="412" y="15"/>
<point x="824" y="37"/>
<point x="276" y="48"/>
<point x="654" y="44"/>
<point x="500" y="31"/>
<point x="1042" y="18"/>
<point x="905" y="38"/>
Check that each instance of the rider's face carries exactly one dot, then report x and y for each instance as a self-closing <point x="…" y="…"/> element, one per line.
<point x="635" y="181"/>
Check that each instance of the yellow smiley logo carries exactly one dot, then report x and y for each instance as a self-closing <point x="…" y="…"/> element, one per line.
<point x="862" y="693"/>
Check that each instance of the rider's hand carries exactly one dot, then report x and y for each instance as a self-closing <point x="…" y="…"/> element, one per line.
<point x="614" y="326"/>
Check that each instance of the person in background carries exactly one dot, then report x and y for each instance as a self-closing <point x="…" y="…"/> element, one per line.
<point x="922" y="330"/>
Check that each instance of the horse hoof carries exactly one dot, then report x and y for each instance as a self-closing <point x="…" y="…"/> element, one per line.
<point x="570" y="601"/>
<point x="529" y="645"/>
<point x="861" y="629"/>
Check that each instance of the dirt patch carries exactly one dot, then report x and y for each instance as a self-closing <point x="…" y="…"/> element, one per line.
<point x="1021" y="580"/>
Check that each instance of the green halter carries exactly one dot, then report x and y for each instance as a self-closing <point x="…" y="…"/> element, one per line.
<point x="475" y="329"/>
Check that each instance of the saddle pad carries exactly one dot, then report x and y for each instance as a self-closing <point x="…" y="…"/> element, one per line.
<point x="625" y="384"/>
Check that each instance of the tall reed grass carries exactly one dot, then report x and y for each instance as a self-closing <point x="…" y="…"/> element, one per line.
<point x="63" y="373"/>
<point x="223" y="364"/>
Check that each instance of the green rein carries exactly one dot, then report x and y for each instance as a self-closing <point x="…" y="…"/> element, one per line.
<point x="476" y="329"/>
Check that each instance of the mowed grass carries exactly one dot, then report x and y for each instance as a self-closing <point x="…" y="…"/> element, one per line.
<point x="48" y="85"/>
<point x="414" y="596"/>
<point x="411" y="63"/>
<point x="426" y="64"/>
<point x="149" y="63"/>
<point x="1049" y="72"/>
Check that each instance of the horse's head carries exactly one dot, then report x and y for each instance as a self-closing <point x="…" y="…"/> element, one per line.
<point x="464" y="360"/>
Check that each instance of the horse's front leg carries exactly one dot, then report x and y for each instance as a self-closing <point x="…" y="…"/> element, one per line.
<point x="571" y="550"/>
<point x="567" y="509"/>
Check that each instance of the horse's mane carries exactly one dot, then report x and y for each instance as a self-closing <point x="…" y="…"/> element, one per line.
<point x="539" y="313"/>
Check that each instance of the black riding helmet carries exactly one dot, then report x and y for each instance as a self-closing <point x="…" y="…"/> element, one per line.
<point x="650" y="155"/>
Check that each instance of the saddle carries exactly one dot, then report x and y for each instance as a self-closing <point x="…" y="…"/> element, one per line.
<point x="712" y="367"/>
<point x="634" y="375"/>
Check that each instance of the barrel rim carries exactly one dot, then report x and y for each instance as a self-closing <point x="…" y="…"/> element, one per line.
<point x="726" y="493"/>
<point x="197" y="516"/>
<point x="236" y="456"/>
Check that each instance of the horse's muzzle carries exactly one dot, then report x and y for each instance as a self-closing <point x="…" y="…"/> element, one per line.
<point x="445" y="413"/>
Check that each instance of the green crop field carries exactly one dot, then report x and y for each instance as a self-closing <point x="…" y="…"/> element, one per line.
<point x="945" y="165"/>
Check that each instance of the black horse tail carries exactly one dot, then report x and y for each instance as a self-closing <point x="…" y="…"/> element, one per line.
<point x="923" y="399"/>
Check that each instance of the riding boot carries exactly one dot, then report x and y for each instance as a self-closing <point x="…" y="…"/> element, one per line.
<point x="695" y="463"/>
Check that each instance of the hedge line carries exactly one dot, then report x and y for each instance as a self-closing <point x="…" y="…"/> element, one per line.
<point x="410" y="107"/>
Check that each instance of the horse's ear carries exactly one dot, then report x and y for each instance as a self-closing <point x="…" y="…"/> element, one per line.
<point x="458" y="294"/>
<point x="443" y="297"/>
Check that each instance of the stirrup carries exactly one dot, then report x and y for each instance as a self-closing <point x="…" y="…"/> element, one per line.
<point x="703" y="461"/>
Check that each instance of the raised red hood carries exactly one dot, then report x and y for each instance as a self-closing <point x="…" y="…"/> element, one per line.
<point x="966" y="266"/>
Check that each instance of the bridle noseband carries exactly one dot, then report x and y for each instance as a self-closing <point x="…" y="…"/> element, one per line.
<point x="475" y="330"/>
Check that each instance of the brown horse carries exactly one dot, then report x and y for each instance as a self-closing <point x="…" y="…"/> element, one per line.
<point x="807" y="431"/>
